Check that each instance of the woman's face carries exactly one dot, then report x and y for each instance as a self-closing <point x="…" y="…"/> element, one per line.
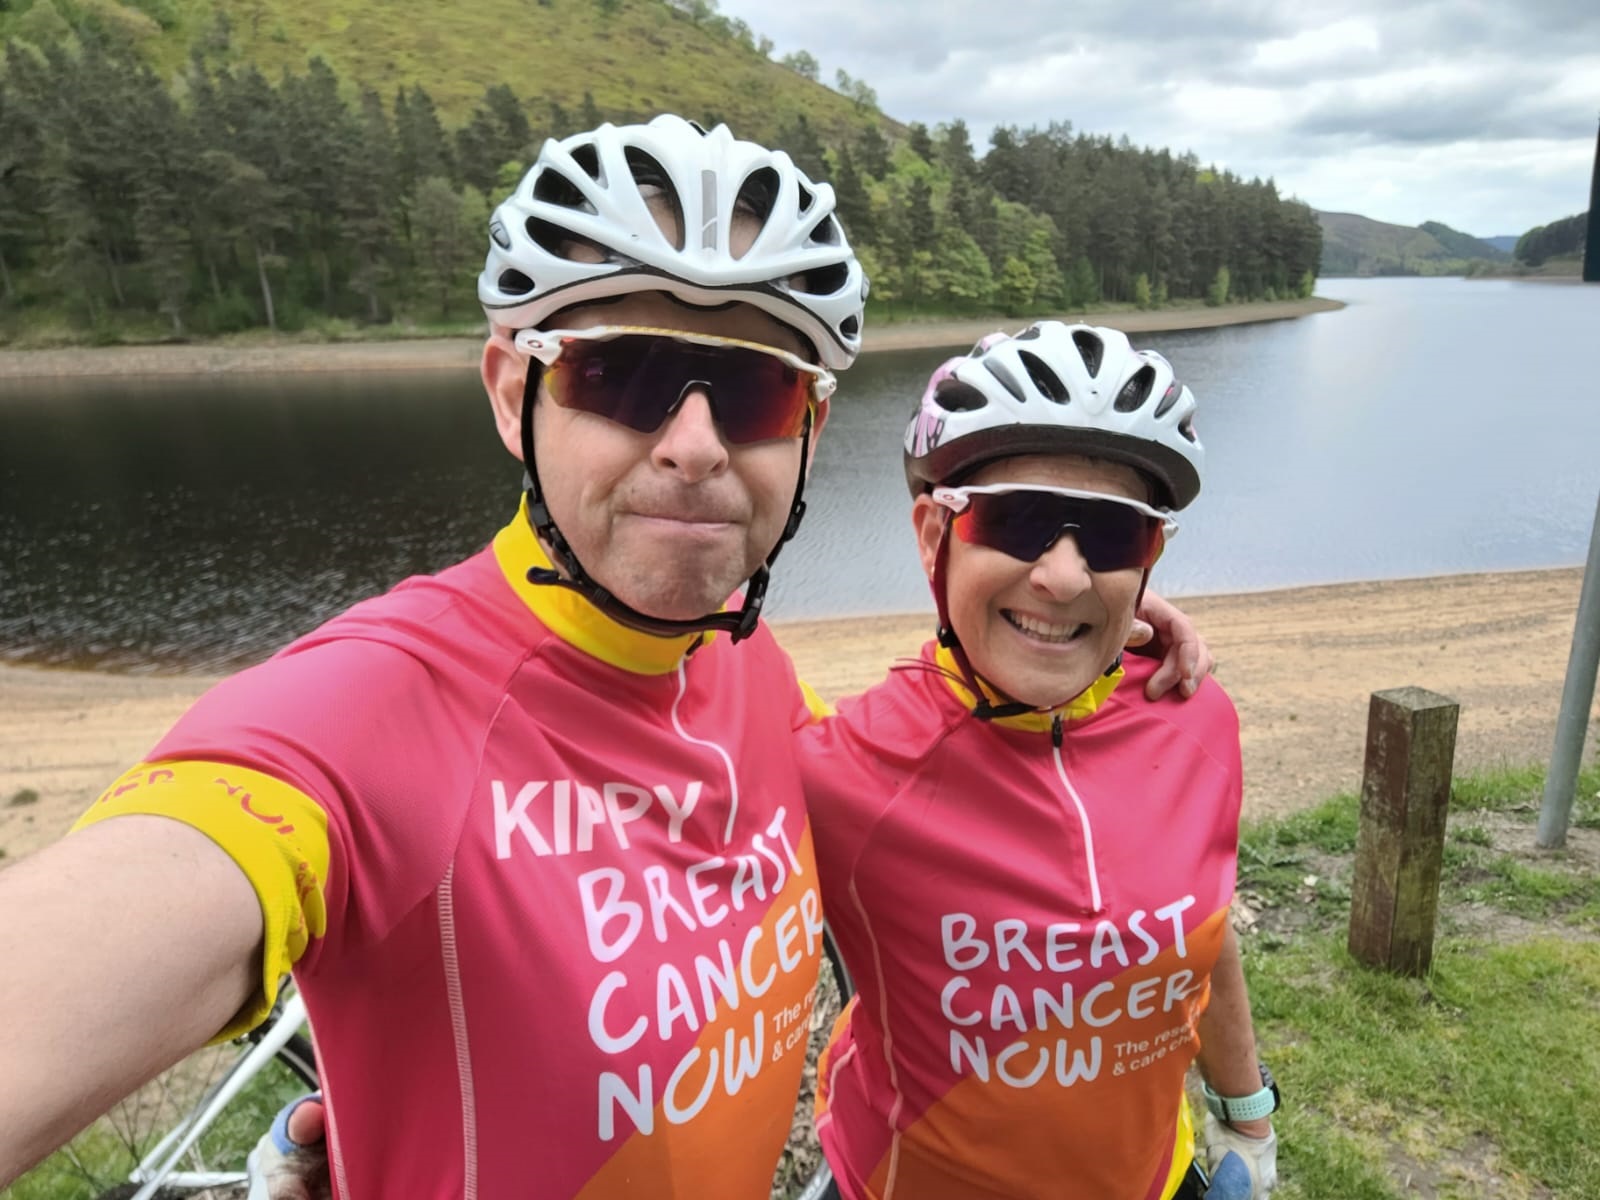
<point x="1039" y="631"/>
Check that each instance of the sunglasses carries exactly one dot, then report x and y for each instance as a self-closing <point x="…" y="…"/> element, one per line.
<point x="639" y="377"/>
<point x="1112" y="533"/>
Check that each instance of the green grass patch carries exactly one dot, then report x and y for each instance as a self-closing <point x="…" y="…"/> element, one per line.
<point x="102" y="1156"/>
<point x="1482" y="1078"/>
<point x="22" y="797"/>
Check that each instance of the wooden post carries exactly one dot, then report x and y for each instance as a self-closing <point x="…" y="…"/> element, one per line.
<point x="1405" y="796"/>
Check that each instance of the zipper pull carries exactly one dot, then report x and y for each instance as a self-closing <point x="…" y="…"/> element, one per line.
<point x="1055" y="731"/>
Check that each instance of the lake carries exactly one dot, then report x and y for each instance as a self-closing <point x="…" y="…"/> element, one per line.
<point x="1431" y="427"/>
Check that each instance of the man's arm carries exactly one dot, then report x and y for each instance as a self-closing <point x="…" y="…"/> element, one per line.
<point x="1161" y="630"/>
<point x="125" y="947"/>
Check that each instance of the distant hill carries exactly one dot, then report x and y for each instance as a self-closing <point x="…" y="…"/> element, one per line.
<point x="1503" y="241"/>
<point x="1357" y="245"/>
<point x="1463" y="245"/>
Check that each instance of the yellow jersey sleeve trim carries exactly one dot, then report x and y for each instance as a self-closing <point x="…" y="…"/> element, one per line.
<point x="275" y="833"/>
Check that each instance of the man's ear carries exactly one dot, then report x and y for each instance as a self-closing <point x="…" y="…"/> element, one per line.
<point x="928" y="519"/>
<point x="505" y="375"/>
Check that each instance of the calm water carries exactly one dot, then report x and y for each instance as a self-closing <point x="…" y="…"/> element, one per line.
<point x="1432" y="426"/>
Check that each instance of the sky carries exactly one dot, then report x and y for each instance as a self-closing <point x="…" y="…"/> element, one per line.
<point x="1478" y="113"/>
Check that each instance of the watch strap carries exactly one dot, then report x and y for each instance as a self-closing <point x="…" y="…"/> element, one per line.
<point x="1258" y="1104"/>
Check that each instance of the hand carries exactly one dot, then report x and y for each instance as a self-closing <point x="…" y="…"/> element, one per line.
<point x="1242" y="1166"/>
<point x="1162" y="631"/>
<point x="291" y="1161"/>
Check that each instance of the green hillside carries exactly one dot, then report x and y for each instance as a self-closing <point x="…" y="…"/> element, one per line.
<point x="1463" y="245"/>
<point x="631" y="57"/>
<point x="168" y="172"/>
<point x="1356" y="245"/>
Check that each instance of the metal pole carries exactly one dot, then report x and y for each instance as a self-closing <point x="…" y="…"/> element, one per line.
<point x="1562" y="782"/>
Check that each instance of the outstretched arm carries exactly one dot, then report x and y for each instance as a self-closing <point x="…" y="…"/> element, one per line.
<point x="126" y="946"/>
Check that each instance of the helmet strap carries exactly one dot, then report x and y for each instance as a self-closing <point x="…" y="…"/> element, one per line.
<point x="571" y="575"/>
<point x="984" y="709"/>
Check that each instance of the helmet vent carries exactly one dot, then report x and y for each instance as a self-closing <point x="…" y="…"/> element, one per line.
<point x="953" y="395"/>
<point x="757" y="194"/>
<point x="655" y="185"/>
<point x="824" y="281"/>
<point x="1044" y="378"/>
<point x="587" y="156"/>
<point x="1136" y="391"/>
<point x="552" y="187"/>
<point x="561" y="242"/>
<point x="1168" y="400"/>
<point x="1007" y="380"/>
<point x="826" y="233"/>
<point x="850" y="326"/>
<point x="1187" y="429"/>
<point x="1091" y="348"/>
<point x="514" y="283"/>
<point x="807" y="198"/>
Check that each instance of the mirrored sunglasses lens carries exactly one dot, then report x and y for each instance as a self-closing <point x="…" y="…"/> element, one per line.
<point x="1110" y="536"/>
<point x="638" y="380"/>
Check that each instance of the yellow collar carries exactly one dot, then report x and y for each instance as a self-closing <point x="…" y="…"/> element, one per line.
<point x="573" y="619"/>
<point x="1084" y="704"/>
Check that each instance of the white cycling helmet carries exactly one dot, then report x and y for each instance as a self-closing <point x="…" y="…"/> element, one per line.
<point x="592" y="190"/>
<point x="1057" y="389"/>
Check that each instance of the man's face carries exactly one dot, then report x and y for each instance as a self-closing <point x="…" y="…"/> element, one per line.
<point x="670" y="522"/>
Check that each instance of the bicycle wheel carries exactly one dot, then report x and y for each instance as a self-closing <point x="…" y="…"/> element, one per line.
<point x="802" y="1174"/>
<point x="100" y="1162"/>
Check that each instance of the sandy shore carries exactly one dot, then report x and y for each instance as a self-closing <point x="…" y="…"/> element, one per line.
<point x="461" y="354"/>
<point x="1300" y="664"/>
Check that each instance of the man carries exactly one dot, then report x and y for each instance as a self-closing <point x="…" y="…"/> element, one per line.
<point x="529" y="832"/>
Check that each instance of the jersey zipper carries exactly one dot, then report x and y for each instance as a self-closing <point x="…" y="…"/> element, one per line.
<point x="1095" y="904"/>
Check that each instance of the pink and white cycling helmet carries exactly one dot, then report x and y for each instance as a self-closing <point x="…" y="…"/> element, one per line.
<point x="593" y="190"/>
<point x="1057" y="389"/>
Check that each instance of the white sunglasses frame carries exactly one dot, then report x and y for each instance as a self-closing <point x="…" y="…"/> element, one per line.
<point x="956" y="499"/>
<point x="546" y="344"/>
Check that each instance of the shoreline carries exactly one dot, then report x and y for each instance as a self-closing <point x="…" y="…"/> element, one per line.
<point x="1299" y="663"/>
<point x="461" y="353"/>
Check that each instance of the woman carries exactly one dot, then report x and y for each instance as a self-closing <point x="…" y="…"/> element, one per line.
<point x="1029" y="864"/>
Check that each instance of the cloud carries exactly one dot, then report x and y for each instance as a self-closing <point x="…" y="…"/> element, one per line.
<point x="1466" y="111"/>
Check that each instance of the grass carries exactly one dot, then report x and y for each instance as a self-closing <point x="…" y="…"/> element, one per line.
<point x="22" y="797"/>
<point x="102" y="1157"/>
<point x="1480" y="1079"/>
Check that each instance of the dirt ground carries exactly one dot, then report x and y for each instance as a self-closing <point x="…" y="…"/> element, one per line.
<point x="1300" y="664"/>
<point x="461" y="354"/>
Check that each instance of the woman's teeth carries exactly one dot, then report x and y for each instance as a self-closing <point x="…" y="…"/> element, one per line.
<point x="1042" y="630"/>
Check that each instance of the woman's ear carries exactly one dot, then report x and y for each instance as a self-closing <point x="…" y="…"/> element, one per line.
<point x="928" y="519"/>
<point x="505" y="376"/>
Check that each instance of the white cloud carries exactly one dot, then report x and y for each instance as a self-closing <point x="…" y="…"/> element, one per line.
<point x="1478" y="113"/>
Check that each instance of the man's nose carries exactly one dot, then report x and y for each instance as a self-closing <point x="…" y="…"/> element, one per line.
<point x="690" y="442"/>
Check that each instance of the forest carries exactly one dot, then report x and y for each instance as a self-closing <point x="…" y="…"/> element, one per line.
<point x="138" y="202"/>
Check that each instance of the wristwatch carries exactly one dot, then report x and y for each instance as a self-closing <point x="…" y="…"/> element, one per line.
<point x="1244" y="1108"/>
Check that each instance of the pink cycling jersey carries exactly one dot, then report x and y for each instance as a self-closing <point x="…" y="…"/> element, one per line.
<point x="1031" y="921"/>
<point x="571" y="908"/>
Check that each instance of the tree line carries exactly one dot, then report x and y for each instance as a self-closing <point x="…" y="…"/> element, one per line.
<point x="1563" y="237"/>
<point x="224" y="201"/>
